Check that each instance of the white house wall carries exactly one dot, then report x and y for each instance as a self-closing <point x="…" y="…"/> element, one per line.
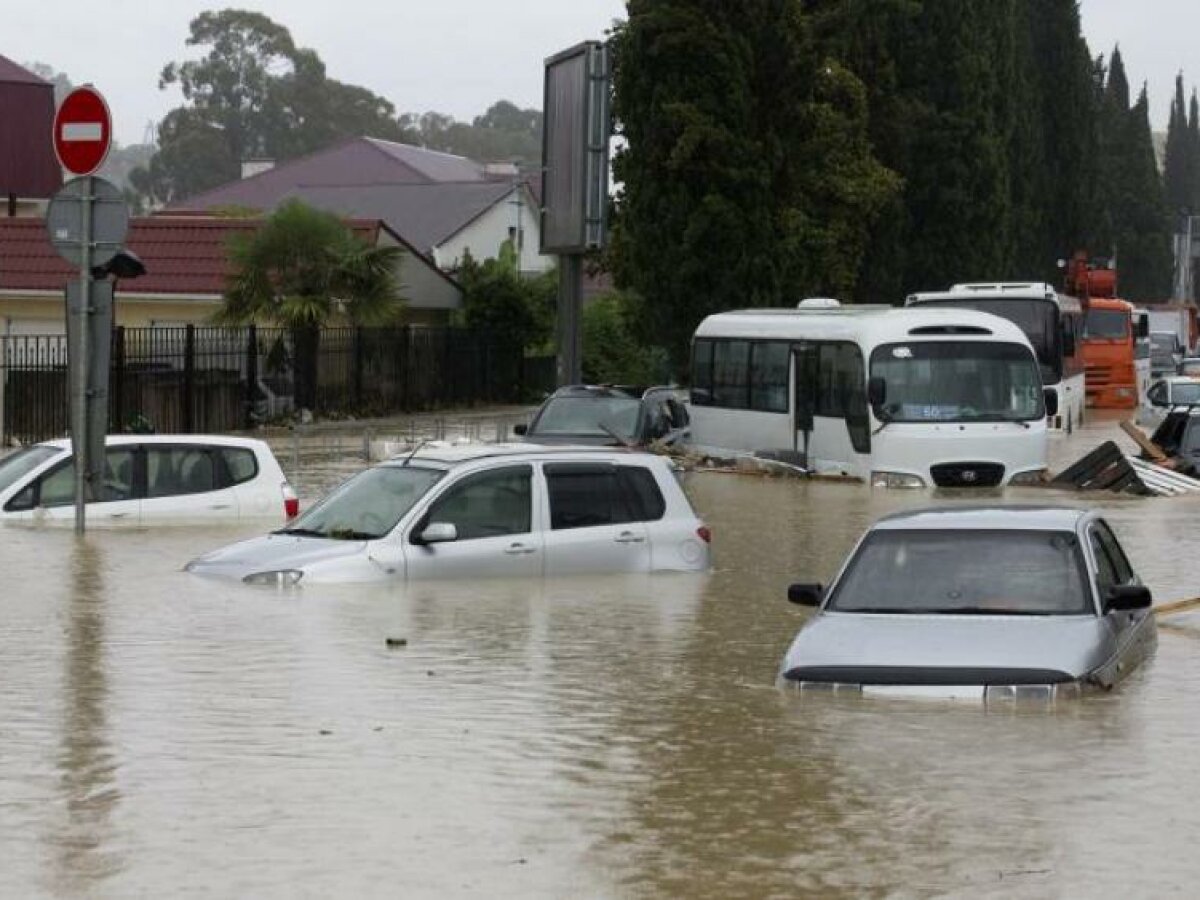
<point x="484" y="235"/>
<point x="421" y="285"/>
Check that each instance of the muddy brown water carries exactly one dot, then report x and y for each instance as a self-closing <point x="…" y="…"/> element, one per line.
<point x="163" y="735"/>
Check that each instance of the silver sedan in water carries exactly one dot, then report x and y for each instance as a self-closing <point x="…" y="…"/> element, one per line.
<point x="995" y="603"/>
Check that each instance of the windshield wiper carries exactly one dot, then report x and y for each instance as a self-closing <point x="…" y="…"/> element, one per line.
<point x="985" y="611"/>
<point x="301" y="532"/>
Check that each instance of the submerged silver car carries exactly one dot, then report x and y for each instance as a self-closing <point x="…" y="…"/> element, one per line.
<point x="483" y="511"/>
<point x="992" y="603"/>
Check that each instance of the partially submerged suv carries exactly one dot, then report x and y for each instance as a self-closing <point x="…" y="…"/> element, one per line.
<point x="609" y="416"/>
<point x="150" y="478"/>
<point x="483" y="510"/>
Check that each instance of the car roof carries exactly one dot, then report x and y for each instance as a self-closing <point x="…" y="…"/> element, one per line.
<point x="117" y="440"/>
<point x="456" y="454"/>
<point x="998" y="518"/>
<point x="604" y="390"/>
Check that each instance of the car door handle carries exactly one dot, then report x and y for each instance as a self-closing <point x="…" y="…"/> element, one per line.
<point x="629" y="537"/>
<point x="220" y="506"/>
<point x="120" y="515"/>
<point x="518" y="549"/>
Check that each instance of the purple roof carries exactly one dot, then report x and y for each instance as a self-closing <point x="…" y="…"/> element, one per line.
<point x="353" y="161"/>
<point x="28" y="166"/>
<point x="425" y="214"/>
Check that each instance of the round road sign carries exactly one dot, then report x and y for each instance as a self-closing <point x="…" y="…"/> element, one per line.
<point x="110" y="220"/>
<point x="82" y="131"/>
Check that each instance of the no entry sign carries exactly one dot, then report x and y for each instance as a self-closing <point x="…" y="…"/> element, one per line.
<point x="82" y="131"/>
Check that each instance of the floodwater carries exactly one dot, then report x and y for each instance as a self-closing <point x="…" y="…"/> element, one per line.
<point x="163" y="735"/>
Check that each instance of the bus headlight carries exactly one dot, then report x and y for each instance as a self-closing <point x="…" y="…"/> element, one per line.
<point x="1030" y="478"/>
<point x="896" y="480"/>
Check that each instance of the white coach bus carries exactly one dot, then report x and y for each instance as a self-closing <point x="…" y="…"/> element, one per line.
<point x="899" y="397"/>
<point x="1053" y="322"/>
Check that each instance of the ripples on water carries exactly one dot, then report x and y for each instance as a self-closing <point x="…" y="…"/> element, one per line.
<point x="162" y="734"/>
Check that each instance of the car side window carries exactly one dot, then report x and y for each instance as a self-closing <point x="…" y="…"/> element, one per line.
<point x="174" y="471"/>
<point x="1122" y="570"/>
<point x="1157" y="395"/>
<point x="488" y="504"/>
<point x="586" y="495"/>
<point x="679" y="416"/>
<point x="241" y="464"/>
<point x="57" y="487"/>
<point x="1106" y="573"/>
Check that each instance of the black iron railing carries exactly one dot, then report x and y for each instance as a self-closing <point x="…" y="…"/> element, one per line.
<point x="205" y="379"/>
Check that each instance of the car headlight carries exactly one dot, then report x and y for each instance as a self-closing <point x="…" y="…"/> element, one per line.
<point x="896" y="480"/>
<point x="279" y="578"/>
<point x="1029" y="478"/>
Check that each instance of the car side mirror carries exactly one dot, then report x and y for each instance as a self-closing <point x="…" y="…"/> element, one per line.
<point x="520" y="429"/>
<point x="1068" y="341"/>
<point x="876" y="390"/>
<point x="1051" y="401"/>
<point x="806" y="594"/>
<point x="1143" y="327"/>
<point x="1127" y="597"/>
<point x="439" y="533"/>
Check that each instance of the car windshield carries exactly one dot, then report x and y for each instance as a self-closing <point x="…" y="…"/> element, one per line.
<point x="18" y="465"/>
<point x="1185" y="392"/>
<point x="591" y="416"/>
<point x="980" y="572"/>
<point x="1110" y="324"/>
<point x="1164" y="343"/>
<point x="952" y="381"/>
<point x="368" y="506"/>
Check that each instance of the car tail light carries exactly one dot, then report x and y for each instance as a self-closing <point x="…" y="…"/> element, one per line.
<point x="704" y="533"/>
<point x="291" y="503"/>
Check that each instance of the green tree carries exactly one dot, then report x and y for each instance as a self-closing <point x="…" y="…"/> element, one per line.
<point x="745" y="176"/>
<point x="254" y="93"/>
<point x="303" y="268"/>
<point x="1179" y="164"/>
<point x="612" y="352"/>
<point x="518" y="311"/>
<point x="504" y="132"/>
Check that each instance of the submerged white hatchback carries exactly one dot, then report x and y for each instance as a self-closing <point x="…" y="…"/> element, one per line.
<point x="483" y="510"/>
<point x="161" y="478"/>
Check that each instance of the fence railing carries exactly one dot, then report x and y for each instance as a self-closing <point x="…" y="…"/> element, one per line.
<point x="200" y="379"/>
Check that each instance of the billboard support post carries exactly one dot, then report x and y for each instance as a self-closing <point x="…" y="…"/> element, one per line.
<point x="575" y="138"/>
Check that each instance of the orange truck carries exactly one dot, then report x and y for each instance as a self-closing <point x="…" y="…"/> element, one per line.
<point x="1113" y="366"/>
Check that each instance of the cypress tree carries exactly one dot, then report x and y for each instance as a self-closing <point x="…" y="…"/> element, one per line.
<point x="746" y="177"/>
<point x="1178" y="181"/>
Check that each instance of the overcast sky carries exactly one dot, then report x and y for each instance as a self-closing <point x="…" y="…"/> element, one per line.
<point x="453" y="56"/>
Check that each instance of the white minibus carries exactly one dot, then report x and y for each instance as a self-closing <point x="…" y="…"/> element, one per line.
<point x="1053" y="322"/>
<point x="902" y="397"/>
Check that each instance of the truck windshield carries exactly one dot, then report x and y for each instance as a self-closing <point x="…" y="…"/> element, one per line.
<point x="1037" y="318"/>
<point x="984" y="572"/>
<point x="958" y="381"/>
<point x="1109" y="324"/>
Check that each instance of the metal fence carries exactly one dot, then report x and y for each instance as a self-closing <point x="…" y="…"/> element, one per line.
<point x="200" y="379"/>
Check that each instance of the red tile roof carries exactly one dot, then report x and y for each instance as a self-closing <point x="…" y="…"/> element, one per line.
<point x="28" y="167"/>
<point x="183" y="256"/>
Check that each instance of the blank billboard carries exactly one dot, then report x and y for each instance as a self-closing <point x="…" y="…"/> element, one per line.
<point x="575" y="149"/>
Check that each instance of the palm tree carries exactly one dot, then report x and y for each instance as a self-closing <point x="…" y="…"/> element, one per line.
<point x="298" y="270"/>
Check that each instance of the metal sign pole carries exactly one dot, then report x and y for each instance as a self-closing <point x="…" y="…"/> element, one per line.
<point x="79" y="428"/>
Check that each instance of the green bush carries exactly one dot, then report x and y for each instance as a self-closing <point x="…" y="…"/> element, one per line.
<point x="611" y="353"/>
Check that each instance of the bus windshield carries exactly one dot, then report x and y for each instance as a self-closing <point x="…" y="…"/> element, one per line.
<point x="1108" y="324"/>
<point x="1037" y="318"/>
<point x="957" y="381"/>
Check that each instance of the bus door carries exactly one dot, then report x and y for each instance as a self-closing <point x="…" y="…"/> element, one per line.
<point x="806" y="366"/>
<point x="831" y="401"/>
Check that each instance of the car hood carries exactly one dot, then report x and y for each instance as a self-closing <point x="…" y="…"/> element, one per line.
<point x="273" y="552"/>
<point x="947" y="649"/>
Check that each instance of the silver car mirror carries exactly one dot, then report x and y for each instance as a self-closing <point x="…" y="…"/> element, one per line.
<point x="806" y="594"/>
<point x="439" y="533"/>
